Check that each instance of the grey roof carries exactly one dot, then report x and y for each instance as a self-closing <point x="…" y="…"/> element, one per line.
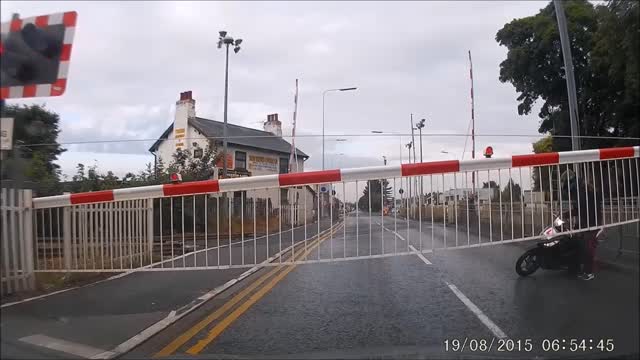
<point x="239" y="135"/>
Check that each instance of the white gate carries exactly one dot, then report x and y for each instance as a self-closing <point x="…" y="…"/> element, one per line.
<point x="16" y="262"/>
<point x="424" y="207"/>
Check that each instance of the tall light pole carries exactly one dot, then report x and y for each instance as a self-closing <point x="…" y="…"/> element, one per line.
<point x="226" y="40"/>
<point x="323" y="96"/>
<point x="409" y="146"/>
<point x="420" y="125"/>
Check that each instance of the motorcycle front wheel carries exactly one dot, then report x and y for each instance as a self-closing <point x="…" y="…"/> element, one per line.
<point x="527" y="264"/>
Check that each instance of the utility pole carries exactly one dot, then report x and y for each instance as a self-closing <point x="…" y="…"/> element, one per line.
<point x="568" y="69"/>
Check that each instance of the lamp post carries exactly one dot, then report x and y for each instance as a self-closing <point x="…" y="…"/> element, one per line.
<point x="323" y="96"/>
<point x="226" y="40"/>
<point x="409" y="145"/>
<point x="420" y="125"/>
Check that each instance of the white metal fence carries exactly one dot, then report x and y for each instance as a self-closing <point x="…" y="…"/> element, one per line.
<point x="424" y="207"/>
<point x="16" y="262"/>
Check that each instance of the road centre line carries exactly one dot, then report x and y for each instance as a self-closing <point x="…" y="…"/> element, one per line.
<point x="479" y="314"/>
<point x="190" y="333"/>
<point x="411" y="247"/>
<point x="227" y="321"/>
<point x="495" y="329"/>
<point x="174" y="316"/>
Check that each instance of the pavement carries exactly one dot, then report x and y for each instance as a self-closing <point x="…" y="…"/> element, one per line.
<point x="462" y="303"/>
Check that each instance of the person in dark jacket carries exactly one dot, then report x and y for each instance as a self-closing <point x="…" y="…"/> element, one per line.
<point x="586" y="208"/>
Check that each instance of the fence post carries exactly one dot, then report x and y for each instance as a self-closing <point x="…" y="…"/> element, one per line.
<point x="29" y="240"/>
<point x="66" y="236"/>
<point x="150" y="228"/>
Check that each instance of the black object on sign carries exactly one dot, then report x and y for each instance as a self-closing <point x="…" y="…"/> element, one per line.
<point x="32" y="55"/>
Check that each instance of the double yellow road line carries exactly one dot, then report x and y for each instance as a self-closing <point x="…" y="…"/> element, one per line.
<point x="214" y="332"/>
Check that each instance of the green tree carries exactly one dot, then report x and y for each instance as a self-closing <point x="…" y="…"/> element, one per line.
<point x="604" y="43"/>
<point x="380" y="191"/>
<point x="512" y="188"/>
<point x="544" y="145"/>
<point x="36" y="146"/>
<point x="492" y="185"/>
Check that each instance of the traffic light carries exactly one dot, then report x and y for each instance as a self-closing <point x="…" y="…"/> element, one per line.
<point x="34" y="55"/>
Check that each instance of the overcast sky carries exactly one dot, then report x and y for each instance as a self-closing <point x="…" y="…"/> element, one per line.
<point x="130" y="61"/>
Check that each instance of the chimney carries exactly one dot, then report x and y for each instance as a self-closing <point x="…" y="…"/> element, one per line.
<point x="273" y="125"/>
<point x="185" y="109"/>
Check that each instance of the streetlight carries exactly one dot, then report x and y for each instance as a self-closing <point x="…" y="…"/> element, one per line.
<point x="420" y="125"/>
<point x="323" y="95"/>
<point x="226" y="40"/>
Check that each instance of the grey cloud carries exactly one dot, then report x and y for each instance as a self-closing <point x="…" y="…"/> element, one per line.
<point x="404" y="57"/>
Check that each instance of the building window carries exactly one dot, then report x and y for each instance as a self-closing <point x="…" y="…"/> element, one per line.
<point x="197" y="153"/>
<point x="284" y="165"/>
<point x="241" y="160"/>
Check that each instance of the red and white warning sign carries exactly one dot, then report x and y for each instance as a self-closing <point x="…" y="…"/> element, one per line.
<point x="35" y="54"/>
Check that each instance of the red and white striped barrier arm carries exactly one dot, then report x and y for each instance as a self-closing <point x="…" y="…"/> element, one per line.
<point x="329" y="176"/>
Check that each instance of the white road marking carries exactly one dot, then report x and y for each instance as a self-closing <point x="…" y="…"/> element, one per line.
<point x="65" y="346"/>
<point x="175" y="316"/>
<point x="424" y="259"/>
<point x="36" y="297"/>
<point x="495" y="329"/>
<point x="474" y="309"/>
<point x="411" y="247"/>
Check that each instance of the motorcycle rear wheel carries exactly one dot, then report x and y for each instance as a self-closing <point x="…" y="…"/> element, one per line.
<point x="527" y="263"/>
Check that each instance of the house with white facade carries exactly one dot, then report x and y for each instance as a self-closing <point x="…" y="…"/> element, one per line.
<point x="250" y="152"/>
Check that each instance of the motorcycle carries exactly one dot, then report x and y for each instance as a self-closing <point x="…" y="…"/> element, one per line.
<point x="558" y="250"/>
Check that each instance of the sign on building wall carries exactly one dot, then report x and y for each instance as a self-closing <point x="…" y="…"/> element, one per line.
<point x="263" y="163"/>
<point x="179" y="135"/>
<point x="229" y="162"/>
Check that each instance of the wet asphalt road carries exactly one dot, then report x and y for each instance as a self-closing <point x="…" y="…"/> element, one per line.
<point x="391" y="307"/>
<point x="402" y="307"/>
<point x="104" y="315"/>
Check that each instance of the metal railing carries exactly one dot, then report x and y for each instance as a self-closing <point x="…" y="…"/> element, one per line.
<point x="284" y="219"/>
<point x="16" y="224"/>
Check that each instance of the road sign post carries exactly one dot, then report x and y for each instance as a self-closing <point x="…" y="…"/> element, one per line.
<point x="6" y="138"/>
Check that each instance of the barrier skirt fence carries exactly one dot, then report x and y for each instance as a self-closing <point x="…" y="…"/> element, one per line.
<point x="367" y="213"/>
